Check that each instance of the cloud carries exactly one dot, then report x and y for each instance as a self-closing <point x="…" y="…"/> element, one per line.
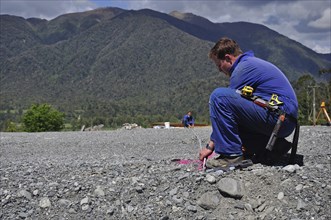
<point x="324" y="22"/>
<point x="44" y="9"/>
<point x="272" y="20"/>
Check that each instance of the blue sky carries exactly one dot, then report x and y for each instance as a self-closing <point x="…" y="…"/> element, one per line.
<point x="306" y="21"/>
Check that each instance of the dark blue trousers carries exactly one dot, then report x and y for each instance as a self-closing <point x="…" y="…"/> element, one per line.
<point x="237" y="122"/>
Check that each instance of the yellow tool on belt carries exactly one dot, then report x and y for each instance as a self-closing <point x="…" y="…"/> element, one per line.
<point x="275" y="101"/>
<point x="247" y="91"/>
<point x="272" y="104"/>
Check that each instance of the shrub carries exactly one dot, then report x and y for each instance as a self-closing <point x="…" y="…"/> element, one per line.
<point x="11" y="127"/>
<point x="42" y="117"/>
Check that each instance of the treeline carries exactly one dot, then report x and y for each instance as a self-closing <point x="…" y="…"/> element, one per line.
<point x="114" y="115"/>
<point x="310" y="93"/>
<point x="11" y="121"/>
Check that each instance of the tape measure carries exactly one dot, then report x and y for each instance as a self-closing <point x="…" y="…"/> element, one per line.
<point x="247" y="91"/>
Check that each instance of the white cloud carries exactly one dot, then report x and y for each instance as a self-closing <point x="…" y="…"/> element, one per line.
<point x="48" y="9"/>
<point x="321" y="49"/>
<point x="320" y="42"/>
<point x="324" y="21"/>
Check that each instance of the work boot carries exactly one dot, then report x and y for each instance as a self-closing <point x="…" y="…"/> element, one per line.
<point x="223" y="161"/>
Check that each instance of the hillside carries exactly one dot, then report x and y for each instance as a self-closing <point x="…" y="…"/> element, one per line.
<point x="112" y="62"/>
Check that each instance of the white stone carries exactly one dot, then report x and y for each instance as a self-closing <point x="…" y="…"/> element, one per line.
<point x="280" y="196"/>
<point x="299" y="187"/>
<point x="84" y="201"/>
<point x="44" y="202"/>
<point x="210" y="179"/>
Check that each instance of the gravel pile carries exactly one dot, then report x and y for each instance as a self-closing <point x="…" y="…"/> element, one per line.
<point x="136" y="174"/>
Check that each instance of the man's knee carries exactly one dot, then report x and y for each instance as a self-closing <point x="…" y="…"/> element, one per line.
<point x="222" y="96"/>
<point x="222" y="91"/>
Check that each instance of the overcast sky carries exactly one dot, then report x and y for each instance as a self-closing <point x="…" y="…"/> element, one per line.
<point x="306" y="21"/>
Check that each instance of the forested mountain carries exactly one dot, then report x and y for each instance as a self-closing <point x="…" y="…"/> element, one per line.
<point x="120" y="64"/>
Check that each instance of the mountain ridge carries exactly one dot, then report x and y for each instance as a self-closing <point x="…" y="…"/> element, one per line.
<point x="112" y="62"/>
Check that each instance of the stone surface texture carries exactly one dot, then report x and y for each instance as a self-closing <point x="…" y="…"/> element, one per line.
<point x="136" y="174"/>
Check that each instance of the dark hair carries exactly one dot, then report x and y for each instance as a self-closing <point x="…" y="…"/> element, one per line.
<point x="225" y="46"/>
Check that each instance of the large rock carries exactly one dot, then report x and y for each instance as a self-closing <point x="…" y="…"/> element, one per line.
<point x="231" y="187"/>
<point x="209" y="200"/>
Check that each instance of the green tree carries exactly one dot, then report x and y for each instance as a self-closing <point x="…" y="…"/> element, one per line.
<point x="303" y="90"/>
<point x="43" y="117"/>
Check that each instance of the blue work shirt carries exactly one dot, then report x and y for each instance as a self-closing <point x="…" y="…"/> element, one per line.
<point x="188" y="120"/>
<point x="265" y="78"/>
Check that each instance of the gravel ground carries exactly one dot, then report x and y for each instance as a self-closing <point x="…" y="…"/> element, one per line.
<point x="135" y="174"/>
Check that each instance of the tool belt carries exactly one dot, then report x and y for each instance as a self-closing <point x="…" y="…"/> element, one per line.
<point x="273" y="105"/>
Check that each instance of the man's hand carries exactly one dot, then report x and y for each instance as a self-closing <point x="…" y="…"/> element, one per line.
<point x="204" y="153"/>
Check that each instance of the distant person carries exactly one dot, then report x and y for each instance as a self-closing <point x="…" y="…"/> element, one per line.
<point x="188" y="120"/>
<point x="239" y="126"/>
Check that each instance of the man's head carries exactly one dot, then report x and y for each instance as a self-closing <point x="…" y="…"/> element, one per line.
<point x="189" y="113"/>
<point x="224" y="53"/>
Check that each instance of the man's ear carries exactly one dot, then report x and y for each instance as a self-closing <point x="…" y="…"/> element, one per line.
<point x="227" y="57"/>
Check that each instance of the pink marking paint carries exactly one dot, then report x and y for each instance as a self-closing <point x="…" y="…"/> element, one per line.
<point x="187" y="162"/>
<point x="201" y="164"/>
